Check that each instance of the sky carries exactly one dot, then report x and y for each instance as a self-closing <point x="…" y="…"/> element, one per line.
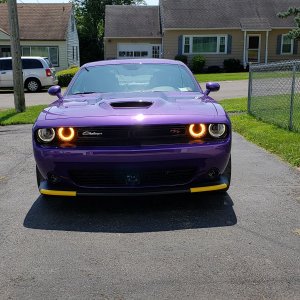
<point x="149" y="2"/>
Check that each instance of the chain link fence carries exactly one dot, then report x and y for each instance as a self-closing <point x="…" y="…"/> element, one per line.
<point x="274" y="93"/>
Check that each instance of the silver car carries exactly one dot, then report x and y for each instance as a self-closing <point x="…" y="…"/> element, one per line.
<point x="38" y="73"/>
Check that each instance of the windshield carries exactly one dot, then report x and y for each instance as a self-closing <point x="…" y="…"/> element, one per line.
<point x="134" y="78"/>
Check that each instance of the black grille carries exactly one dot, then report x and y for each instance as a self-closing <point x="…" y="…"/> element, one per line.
<point x="132" y="178"/>
<point x="131" y="135"/>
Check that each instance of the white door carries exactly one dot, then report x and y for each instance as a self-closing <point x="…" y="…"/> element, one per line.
<point x="6" y="73"/>
<point x="253" y="48"/>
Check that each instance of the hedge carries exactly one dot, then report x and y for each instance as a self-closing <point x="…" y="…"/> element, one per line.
<point x="65" y="76"/>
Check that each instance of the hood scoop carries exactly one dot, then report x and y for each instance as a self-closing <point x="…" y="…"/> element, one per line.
<point x="131" y="104"/>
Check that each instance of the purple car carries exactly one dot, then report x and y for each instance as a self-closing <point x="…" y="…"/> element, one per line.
<point x="132" y="127"/>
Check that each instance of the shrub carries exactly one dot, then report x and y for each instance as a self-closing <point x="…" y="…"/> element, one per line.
<point x="213" y="69"/>
<point x="232" y="65"/>
<point x="182" y="58"/>
<point x="65" y="76"/>
<point x="198" y="63"/>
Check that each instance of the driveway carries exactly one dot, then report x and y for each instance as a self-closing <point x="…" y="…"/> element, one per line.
<point x="229" y="89"/>
<point x="150" y="248"/>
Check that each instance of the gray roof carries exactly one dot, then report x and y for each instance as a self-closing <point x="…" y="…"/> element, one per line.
<point x="132" y="21"/>
<point x="226" y="13"/>
<point x="40" y="21"/>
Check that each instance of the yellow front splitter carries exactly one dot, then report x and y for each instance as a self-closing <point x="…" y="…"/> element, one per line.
<point x="58" y="193"/>
<point x="211" y="188"/>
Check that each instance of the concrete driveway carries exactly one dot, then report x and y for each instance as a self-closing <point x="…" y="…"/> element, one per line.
<point x="143" y="248"/>
<point x="229" y="89"/>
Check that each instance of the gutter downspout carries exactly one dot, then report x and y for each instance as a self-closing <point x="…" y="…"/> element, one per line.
<point x="245" y="45"/>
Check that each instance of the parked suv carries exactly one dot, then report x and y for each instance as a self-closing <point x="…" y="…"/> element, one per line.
<point x="38" y="73"/>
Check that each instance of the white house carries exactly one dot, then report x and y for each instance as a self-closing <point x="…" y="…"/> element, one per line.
<point x="47" y="30"/>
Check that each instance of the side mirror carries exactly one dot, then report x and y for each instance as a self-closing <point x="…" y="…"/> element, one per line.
<point x="55" y="91"/>
<point x="211" y="87"/>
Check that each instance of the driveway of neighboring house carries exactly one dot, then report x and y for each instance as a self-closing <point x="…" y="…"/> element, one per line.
<point x="229" y="89"/>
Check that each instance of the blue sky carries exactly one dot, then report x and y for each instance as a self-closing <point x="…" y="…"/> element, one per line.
<point x="150" y="2"/>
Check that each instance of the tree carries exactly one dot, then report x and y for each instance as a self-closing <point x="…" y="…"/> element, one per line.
<point x="90" y="18"/>
<point x="292" y="11"/>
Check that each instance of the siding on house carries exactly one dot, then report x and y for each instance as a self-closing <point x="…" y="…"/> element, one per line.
<point x="72" y="43"/>
<point x="111" y="45"/>
<point x="62" y="50"/>
<point x="4" y="36"/>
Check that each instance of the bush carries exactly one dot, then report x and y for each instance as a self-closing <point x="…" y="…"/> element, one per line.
<point x="182" y="58"/>
<point x="65" y="76"/>
<point x="232" y="65"/>
<point x="198" y="63"/>
<point x="213" y="69"/>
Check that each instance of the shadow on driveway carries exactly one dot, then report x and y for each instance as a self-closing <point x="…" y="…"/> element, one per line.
<point x="132" y="215"/>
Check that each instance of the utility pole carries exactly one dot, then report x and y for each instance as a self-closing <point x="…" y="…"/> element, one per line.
<point x="19" y="97"/>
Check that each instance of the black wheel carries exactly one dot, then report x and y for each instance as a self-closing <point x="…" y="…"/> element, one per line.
<point x="227" y="174"/>
<point x="33" y="85"/>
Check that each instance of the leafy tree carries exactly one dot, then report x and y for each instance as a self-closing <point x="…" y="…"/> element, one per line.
<point x="90" y="18"/>
<point x="3" y="1"/>
<point x="292" y="11"/>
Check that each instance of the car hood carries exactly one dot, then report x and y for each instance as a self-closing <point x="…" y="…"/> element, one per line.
<point x="137" y="107"/>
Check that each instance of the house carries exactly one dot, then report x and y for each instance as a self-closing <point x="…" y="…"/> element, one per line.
<point x="47" y="30"/>
<point x="248" y="30"/>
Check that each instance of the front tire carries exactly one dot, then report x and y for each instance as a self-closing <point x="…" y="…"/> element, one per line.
<point x="33" y="85"/>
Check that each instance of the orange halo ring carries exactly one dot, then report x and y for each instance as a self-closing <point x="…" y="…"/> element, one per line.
<point x="197" y="135"/>
<point x="66" y="138"/>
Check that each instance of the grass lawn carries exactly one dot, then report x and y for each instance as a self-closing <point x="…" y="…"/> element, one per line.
<point x="277" y="140"/>
<point x="202" y="78"/>
<point x="11" y="117"/>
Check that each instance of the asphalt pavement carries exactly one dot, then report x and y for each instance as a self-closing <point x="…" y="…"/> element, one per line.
<point x="150" y="248"/>
<point x="229" y="89"/>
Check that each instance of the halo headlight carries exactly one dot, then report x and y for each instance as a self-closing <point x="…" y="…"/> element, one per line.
<point x="197" y="131"/>
<point x="46" y="135"/>
<point x="216" y="130"/>
<point x="66" y="134"/>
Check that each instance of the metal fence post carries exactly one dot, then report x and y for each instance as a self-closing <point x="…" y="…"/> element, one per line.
<point x="292" y="98"/>
<point x="249" y="89"/>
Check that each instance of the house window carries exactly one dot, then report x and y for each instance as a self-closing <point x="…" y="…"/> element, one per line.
<point x="77" y="53"/>
<point x="187" y="45"/>
<point x="205" y="44"/>
<point x="287" y="44"/>
<point x="155" y="51"/>
<point x="50" y="52"/>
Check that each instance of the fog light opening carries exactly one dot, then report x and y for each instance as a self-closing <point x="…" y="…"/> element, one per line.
<point x="213" y="173"/>
<point x="53" y="178"/>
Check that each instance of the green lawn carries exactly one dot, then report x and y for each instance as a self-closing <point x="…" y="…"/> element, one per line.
<point x="234" y="105"/>
<point x="221" y="77"/>
<point x="11" y="117"/>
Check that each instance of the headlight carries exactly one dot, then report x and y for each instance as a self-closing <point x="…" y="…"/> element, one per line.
<point x="66" y="134"/>
<point x="46" y="135"/>
<point x="197" y="131"/>
<point x="216" y="130"/>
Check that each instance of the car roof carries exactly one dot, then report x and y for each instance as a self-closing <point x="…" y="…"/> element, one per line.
<point x="31" y="57"/>
<point x="134" y="61"/>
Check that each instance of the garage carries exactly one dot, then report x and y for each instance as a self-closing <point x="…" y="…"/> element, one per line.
<point x="138" y="51"/>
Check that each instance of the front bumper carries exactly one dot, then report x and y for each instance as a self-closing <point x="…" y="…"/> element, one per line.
<point x="200" y="157"/>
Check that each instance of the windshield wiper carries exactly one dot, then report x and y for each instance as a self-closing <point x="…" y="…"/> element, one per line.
<point x="83" y="93"/>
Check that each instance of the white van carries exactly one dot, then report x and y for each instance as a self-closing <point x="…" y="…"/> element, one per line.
<point x="38" y="73"/>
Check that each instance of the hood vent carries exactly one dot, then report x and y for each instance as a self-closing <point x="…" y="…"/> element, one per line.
<point x="131" y="104"/>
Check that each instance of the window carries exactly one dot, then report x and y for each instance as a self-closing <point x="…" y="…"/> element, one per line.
<point x="205" y="44"/>
<point x="31" y="64"/>
<point x="287" y="45"/>
<point x="155" y="51"/>
<point x="43" y="51"/>
<point x="186" y="45"/>
<point x="5" y="65"/>
<point x="77" y="53"/>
